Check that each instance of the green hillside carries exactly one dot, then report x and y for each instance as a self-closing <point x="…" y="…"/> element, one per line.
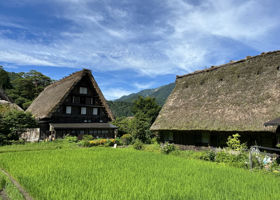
<point x="120" y="108"/>
<point x="160" y="94"/>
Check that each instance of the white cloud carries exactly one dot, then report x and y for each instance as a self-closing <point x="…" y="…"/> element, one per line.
<point x="142" y="86"/>
<point x="186" y="38"/>
<point x="115" y="93"/>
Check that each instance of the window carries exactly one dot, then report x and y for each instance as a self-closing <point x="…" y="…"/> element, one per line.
<point x="83" y="110"/>
<point x="82" y="132"/>
<point x="83" y="90"/>
<point x="95" y="111"/>
<point x="105" y="131"/>
<point x="91" y="101"/>
<point x="68" y="109"/>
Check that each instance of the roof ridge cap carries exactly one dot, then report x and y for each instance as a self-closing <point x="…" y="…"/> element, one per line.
<point x="212" y="68"/>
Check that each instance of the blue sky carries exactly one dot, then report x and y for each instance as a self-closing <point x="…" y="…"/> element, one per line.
<point x="132" y="45"/>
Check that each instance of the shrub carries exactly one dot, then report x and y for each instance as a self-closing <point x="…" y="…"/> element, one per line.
<point x="126" y="139"/>
<point x="118" y="141"/>
<point x="87" y="137"/>
<point x="84" y="143"/>
<point x="207" y="155"/>
<point x="236" y="160"/>
<point x="70" y="139"/>
<point x="109" y="143"/>
<point x="20" y="141"/>
<point x="167" y="148"/>
<point x="138" y="145"/>
<point x="235" y="144"/>
<point x="97" y="142"/>
<point x="153" y="148"/>
<point x="154" y="140"/>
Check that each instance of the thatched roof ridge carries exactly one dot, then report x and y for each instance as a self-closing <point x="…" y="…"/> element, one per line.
<point x="227" y="64"/>
<point x="53" y="95"/>
<point x="237" y="96"/>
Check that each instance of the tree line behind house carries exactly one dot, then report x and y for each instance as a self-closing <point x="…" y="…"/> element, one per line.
<point x="24" y="87"/>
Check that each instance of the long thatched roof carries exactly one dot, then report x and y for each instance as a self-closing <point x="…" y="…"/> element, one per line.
<point x="54" y="95"/>
<point x="238" y="96"/>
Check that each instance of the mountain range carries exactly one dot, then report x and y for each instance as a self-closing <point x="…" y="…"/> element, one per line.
<point x="122" y="107"/>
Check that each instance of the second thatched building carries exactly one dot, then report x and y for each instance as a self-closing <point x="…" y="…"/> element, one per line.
<point x="207" y="106"/>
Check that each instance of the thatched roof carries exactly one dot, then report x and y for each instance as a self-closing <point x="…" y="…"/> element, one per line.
<point x="10" y="106"/>
<point x="54" y="95"/>
<point x="238" y="96"/>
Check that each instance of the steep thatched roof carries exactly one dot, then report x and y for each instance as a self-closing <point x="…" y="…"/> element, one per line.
<point x="54" y="95"/>
<point x="238" y="96"/>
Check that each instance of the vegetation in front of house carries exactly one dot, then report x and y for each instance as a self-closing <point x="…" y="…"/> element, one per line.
<point x="107" y="173"/>
<point x="12" y="125"/>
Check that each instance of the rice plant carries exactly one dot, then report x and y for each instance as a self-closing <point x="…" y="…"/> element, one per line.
<point x="107" y="173"/>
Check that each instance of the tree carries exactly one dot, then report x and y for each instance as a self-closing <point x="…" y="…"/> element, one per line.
<point x="147" y="106"/>
<point x="27" y="86"/>
<point x="124" y="125"/>
<point x="141" y="128"/>
<point x="13" y="124"/>
<point x="145" y="112"/>
<point x="4" y="79"/>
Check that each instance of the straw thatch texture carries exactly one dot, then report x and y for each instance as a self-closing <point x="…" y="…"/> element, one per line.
<point x="9" y="105"/>
<point x="53" y="95"/>
<point x="238" y="96"/>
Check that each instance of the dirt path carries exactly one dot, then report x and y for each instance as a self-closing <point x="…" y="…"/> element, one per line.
<point x="19" y="187"/>
<point x="3" y="195"/>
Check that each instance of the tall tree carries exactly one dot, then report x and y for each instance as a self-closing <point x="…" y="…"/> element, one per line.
<point x="145" y="112"/>
<point x="148" y="107"/>
<point x="4" y="79"/>
<point x="27" y="86"/>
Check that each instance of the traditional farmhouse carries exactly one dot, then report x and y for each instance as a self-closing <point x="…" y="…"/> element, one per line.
<point x="74" y="105"/>
<point x="207" y="106"/>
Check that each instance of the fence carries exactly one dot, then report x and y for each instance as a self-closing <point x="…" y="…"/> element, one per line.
<point x="267" y="159"/>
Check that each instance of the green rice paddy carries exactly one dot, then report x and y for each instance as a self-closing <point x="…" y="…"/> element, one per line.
<point x="107" y="173"/>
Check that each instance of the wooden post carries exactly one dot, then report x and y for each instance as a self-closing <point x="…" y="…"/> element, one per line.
<point x="250" y="159"/>
<point x="115" y="133"/>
